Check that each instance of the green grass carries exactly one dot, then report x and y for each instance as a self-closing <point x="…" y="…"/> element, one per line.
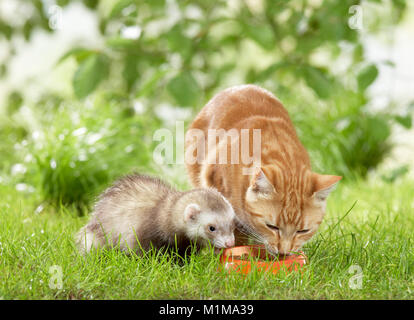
<point x="375" y="235"/>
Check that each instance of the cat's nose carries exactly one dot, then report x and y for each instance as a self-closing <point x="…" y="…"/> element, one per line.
<point x="284" y="248"/>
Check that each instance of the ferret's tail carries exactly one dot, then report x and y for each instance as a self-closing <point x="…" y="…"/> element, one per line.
<point x="86" y="240"/>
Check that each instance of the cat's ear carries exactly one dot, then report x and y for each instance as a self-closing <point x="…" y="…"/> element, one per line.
<point x="324" y="185"/>
<point x="260" y="186"/>
<point x="191" y="212"/>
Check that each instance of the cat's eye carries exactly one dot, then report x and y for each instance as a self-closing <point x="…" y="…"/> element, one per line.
<point x="303" y="231"/>
<point x="212" y="228"/>
<point x="272" y="227"/>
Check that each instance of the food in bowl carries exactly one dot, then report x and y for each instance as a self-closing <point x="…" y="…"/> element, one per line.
<point x="244" y="259"/>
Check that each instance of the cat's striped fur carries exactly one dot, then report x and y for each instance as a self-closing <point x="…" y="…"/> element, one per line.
<point x="283" y="202"/>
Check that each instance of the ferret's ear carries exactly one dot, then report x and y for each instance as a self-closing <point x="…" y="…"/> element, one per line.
<point x="260" y="187"/>
<point x="191" y="211"/>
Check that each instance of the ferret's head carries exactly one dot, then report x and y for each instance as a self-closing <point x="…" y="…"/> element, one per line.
<point x="209" y="217"/>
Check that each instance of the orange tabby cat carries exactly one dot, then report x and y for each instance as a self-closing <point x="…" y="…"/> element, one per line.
<point x="281" y="203"/>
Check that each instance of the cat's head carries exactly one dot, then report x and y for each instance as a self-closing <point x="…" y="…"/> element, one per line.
<point x="284" y="209"/>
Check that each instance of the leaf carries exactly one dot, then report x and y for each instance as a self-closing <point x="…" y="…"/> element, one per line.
<point x="150" y="85"/>
<point x="367" y="76"/>
<point x="79" y="54"/>
<point x="358" y="53"/>
<point x="396" y="173"/>
<point x="6" y="30"/>
<point x="28" y="29"/>
<point x="269" y="71"/>
<point x="3" y="70"/>
<point x="318" y="81"/>
<point x="378" y="128"/>
<point x="89" y="74"/>
<point x="405" y="121"/>
<point x="262" y="35"/>
<point x="389" y="63"/>
<point x="91" y="4"/>
<point x="184" y="89"/>
<point x="130" y="70"/>
<point x="118" y="7"/>
<point x="118" y="43"/>
<point x="14" y="102"/>
<point x="177" y="41"/>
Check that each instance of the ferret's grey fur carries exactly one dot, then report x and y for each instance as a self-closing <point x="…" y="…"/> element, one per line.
<point x="139" y="211"/>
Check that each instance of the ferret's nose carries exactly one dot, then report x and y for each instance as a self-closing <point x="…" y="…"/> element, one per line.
<point x="229" y="243"/>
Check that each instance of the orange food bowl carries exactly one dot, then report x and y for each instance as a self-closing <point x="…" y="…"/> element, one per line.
<point x="244" y="259"/>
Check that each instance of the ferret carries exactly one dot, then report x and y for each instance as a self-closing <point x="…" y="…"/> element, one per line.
<point x="139" y="212"/>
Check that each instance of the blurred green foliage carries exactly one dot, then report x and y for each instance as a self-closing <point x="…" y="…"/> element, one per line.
<point x="77" y="151"/>
<point x="183" y="52"/>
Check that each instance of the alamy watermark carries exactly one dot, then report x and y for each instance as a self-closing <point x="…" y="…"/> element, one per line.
<point x="216" y="146"/>
<point x="55" y="17"/>
<point x="355" y="22"/>
<point x="56" y="277"/>
<point x="355" y="281"/>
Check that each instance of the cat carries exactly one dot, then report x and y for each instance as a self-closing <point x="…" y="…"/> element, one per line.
<point x="282" y="202"/>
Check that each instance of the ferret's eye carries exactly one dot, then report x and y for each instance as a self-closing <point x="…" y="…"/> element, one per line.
<point x="272" y="227"/>
<point x="302" y="231"/>
<point x="212" y="228"/>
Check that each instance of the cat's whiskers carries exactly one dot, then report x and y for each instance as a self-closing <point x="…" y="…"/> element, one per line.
<point x="250" y="232"/>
